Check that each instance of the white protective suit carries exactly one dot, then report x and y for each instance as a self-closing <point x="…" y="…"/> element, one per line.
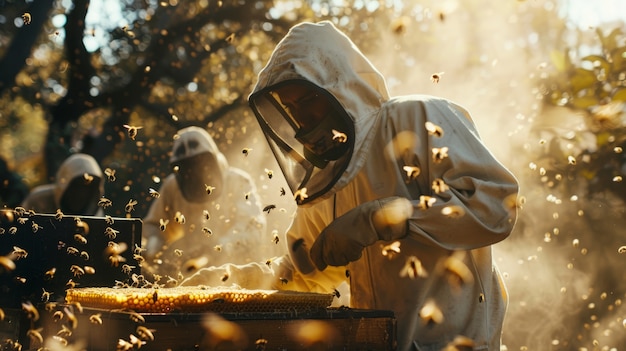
<point x="227" y="225"/>
<point x="78" y="185"/>
<point x="448" y="241"/>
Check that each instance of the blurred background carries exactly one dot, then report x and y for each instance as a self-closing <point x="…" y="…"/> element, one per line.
<point x="544" y="80"/>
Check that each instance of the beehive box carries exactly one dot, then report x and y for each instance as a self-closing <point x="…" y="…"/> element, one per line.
<point x="213" y="319"/>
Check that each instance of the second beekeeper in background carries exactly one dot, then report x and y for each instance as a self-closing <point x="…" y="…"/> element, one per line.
<point x="206" y="213"/>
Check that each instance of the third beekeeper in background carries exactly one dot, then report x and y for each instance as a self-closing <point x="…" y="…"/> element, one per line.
<point x="398" y="196"/>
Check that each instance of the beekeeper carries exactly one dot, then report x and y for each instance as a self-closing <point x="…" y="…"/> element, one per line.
<point x="397" y="195"/>
<point x="206" y="212"/>
<point x="77" y="187"/>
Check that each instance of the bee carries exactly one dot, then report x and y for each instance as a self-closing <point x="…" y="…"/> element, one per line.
<point x="96" y="318"/>
<point x="138" y="249"/>
<point x="127" y="269"/>
<point x="71" y="284"/>
<point x="439" y="186"/>
<point x="138" y="258"/>
<point x="206" y="215"/>
<point x="207" y="231"/>
<point x="145" y="333"/>
<point x="123" y="345"/>
<point x="284" y="281"/>
<point x="426" y="202"/>
<point x="458" y="271"/>
<point x="347" y="273"/>
<point x="19" y="253"/>
<point x="45" y="296"/>
<point x="31" y="311"/>
<point x="217" y="248"/>
<point x="439" y="154"/>
<point x="60" y="340"/>
<point x="435" y="77"/>
<point x="163" y="224"/>
<point x="80" y="239"/>
<point x="20" y="280"/>
<point x="336" y="293"/>
<point x="269" y="262"/>
<point x="260" y="344"/>
<point x="110" y="173"/>
<point x="434" y="129"/>
<point x="27" y="18"/>
<point x="50" y="273"/>
<point x="7" y="264"/>
<point x="178" y="252"/>
<point x="136" y="317"/>
<point x="109" y="220"/>
<point x="88" y="178"/>
<point x="35" y="227"/>
<point x="77" y="270"/>
<point x="84" y="255"/>
<point x="246" y="151"/>
<point x="300" y="195"/>
<point x="339" y="136"/>
<point x="268" y="208"/>
<point x="22" y="220"/>
<point x="411" y="172"/>
<point x="35" y="335"/>
<point x="179" y="218"/>
<point x="89" y="270"/>
<point x="246" y="195"/>
<point x="116" y="259"/>
<point x="58" y="215"/>
<point x="413" y="268"/>
<point x="225" y="277"/>
<point x="72" y="250"/>
<point x="111" y="233"/>
<point x="2" y="231"/>
<point x="132" y="131"/>
<point x="209" y="189"/>
<point x="453" y="211"/>
<point x="104" y="202"/>
<point x="12" y="230"/>
<point x="130" y="206"/>
<point x="230" y="38"/>
<point x="391" y="250"/>
<point x="65" y="331"/>
<point x="269" y="173"/>
<point x="57" y="316"/>
<point x="155" y="194"/>
<point x="430" y="313"/>
<point x="275" y="237"/>
<point x="282" y="191"/>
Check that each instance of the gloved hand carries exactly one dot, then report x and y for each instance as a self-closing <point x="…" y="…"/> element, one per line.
<point x="343" y="240"/>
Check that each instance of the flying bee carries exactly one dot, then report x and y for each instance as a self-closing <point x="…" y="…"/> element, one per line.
<point x="155" y="194"/>
<point x="84" y="255"/>
<point x="275" y="237"/>
<point x="22" y="220"/>
<point x="413" y="268"/>
<point x="434" y="129"/>
<point x="35" y="227"/>
<point x="431" y="313"/>
<point x="246" y="151"/>
<point x="163" y="224"/>
<point x="2" y="231"/>
<point x="35" y="336"/>
<point x="88" y="178"/>
<point x="209" y="189"/>
<point x="127" y="269"/>
<point x="6" y="264"/>
<point x="72" y="250"/>
<point x="179" y="218"/>
<point x="439" y="186"/>
<point x="132" y="131"/>
<point x="130" y="206"/>
<point x="435" y="77"/>
<point x="58" y="215"/>
<point x="269" y="173"/>
<point x="89" y="270"/>
<point x="109" y="220"/>
<point x="110" y="173"/>
<point x="336" y="293"/>
<point x="246" y="195"/>
<point x="411" y="172"/>
<point x="111" y="233"/>
<point x="439" y="154"/>
<point x="224" y="277"/>
<point x="77" y="270"/>
<point x="282" y="191"/>
<point x="283" y="280"/>
<point x="80" y="239"/>
<point x="217" y="248"/>
<point x="269" y="262"/>
<point x="136" y="317"/>
<point x="27" y="18"/>
<point x="178" y="252"/>
<point x="57" y="316"/>
<point x="260" y="344"/>
<point x="96" y="318"/>
<point x="206" y="215"/>
<point x="50" y="273"/>
<point x="453" y="211"/>
<point x="145" y="333"/>
<point x="45" y="296"/>
<point x="31" y="311"/>
<point x="62" y="341"/>
<point x="138" y="249"/>
<point x="339" y="136"/>
<point x="104" y="202"/>
<point x="268" y="208"/>
<point x="138" y="258"/>
<point x="65" y="331"/>
<point x="207" y="231"/>
<point x="12" y="230"/>
<point x="391" y="250"/>
<point x="426" y="202"/>
<point x="300" y="195"/>
<point x="19" y="253"/>
<point x="71" y="284"/>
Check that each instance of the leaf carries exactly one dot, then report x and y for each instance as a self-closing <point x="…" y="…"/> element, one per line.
<point x="582" y="79"/>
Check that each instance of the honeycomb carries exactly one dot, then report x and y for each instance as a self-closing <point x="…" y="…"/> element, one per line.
<point x="197" y="299"/>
